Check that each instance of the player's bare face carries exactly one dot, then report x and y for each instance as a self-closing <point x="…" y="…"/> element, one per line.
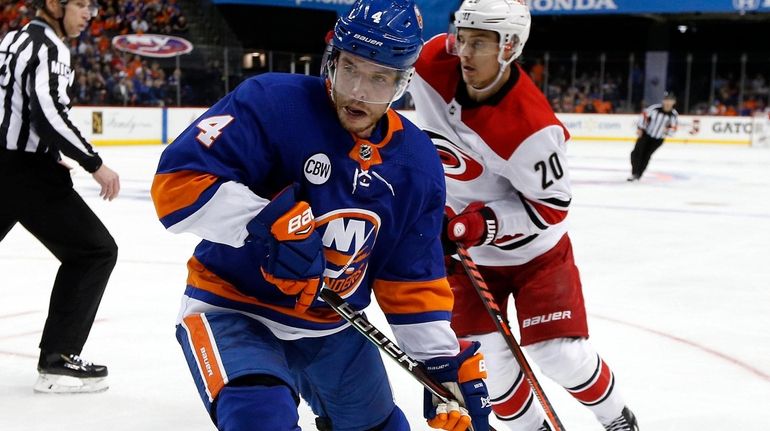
<point x="478" y="50"/>
<point x="76" y="17"/>
<point x="358" y="80"/>
<point x="668" y="104"/>
<point x="358" y="118"/>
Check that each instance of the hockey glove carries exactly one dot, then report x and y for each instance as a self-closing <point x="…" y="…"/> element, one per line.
<point x="476" y="225"/>
<point x="462" y="375"/>
<point x="295" y="258"/>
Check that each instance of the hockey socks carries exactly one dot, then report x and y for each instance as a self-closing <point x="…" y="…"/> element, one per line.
<point x="596" y="390"/>
<point x="513" y="401"/>
<point x="572" y="363"/>
<point x="518" y="408"/>
<point x="575" y="365"/>
<point x="395" y="422"/>
<point x="256" y="408"/>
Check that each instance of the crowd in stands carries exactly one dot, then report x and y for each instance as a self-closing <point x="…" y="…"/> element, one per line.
<point x="727" y="98"/>
<point x="104" y="75"/>
<point x="587" y="95"/>
<point x="591" y="94"/>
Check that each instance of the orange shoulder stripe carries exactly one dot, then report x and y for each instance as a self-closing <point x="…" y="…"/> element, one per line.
<point x="409" y="297"/>
<point x="177" y="190"/>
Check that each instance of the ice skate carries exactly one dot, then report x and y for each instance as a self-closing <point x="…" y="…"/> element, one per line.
<point x="625" y="422"/>
<point x="60" y="373"/>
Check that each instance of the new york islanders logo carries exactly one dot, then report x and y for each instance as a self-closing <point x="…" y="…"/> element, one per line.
<point x="348" y="238"/>
<point x="457" y="164"/>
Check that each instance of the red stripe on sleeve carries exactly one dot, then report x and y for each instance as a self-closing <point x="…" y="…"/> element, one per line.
<point x="549" y="215"/>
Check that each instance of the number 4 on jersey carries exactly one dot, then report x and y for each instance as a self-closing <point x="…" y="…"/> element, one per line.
<point x="211" y="128"/>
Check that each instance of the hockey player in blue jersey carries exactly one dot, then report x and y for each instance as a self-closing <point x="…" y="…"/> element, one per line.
<point x="295" y="182"/>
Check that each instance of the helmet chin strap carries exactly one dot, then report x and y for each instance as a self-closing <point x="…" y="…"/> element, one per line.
<point x="503" y="65"/>
<point x="500" y="74"/>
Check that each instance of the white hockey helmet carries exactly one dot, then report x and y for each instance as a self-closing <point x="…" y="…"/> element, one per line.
<point x="508" y="18"/>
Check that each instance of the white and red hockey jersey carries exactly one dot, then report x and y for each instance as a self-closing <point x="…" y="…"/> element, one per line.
<point x="508" y="151"/>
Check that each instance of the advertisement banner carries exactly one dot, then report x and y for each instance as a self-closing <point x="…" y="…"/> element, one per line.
<point x="435" y="13"/>
<point x="152" y="45"/>
<point x="439" y="10"/>
<point x="585" y="7"/>
<point x="108" y="125"/>
<point x="103" y="125"/>
<point x="693" y="129"/>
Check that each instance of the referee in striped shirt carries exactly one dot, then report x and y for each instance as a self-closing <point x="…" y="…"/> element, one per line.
<point x="36" y="188"/>
<point x="657" y="122"/>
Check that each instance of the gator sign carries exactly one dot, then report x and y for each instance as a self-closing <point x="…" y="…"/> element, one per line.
<point x="152" y="45"/>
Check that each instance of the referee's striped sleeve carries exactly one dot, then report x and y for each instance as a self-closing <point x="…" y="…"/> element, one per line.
<point x="50" y="116"/>
<point x="673" y="124"/>
<point x="642" y="123"/>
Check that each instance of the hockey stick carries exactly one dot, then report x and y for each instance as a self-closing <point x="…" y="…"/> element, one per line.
<point x="362" y="324"/>
<point x="503" y="328"/>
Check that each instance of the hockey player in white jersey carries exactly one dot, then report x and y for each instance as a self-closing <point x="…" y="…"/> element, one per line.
<point x="504" y="159"/>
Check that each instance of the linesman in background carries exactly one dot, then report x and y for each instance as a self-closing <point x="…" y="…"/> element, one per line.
<point x="36" y="188"/>
<point x="657" y="122"/>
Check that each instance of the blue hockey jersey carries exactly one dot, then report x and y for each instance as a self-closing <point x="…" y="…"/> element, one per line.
<point x="378" y="205"/>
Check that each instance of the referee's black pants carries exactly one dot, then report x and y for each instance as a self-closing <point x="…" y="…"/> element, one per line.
<point x="37" y="192"/>
<point x="640" y="156"/>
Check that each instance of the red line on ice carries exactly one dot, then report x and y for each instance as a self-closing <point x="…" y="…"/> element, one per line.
<point x="21" y="313"/>
<point x="25" y="355"/>
<point x="710" y="351"/>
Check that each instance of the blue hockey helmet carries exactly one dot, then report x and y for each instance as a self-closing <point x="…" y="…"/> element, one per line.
<point x="377" y="44"/>
<point x="387" y="32"/>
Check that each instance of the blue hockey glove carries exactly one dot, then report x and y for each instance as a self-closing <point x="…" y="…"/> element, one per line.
<point x="295" y="258"/>
<point x="462" y="375"/>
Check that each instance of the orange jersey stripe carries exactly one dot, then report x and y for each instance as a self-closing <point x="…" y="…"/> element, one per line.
<point x="200" y="277"/>
<point x="409" y="297"/>
<point x="177" y="190"/>
<point x="206" y="354"/>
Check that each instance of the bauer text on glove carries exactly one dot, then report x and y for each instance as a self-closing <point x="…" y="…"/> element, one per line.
<point x="462" y="375"/>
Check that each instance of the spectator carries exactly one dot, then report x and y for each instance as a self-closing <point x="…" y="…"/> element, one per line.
<point x="179" y="25"/>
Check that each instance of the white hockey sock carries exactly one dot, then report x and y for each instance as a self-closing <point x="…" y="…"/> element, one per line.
<point x="513" y="401"/>
<point x="574" y="364"/>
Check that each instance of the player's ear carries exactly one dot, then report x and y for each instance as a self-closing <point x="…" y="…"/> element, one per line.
<point x="55" y="7"/>
<point x="508" y="48"/>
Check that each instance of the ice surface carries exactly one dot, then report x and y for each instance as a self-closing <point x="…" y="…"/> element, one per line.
<point x="676" y="275"/>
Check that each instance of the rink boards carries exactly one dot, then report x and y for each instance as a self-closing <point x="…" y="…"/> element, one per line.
<point x="149" y="126"/>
